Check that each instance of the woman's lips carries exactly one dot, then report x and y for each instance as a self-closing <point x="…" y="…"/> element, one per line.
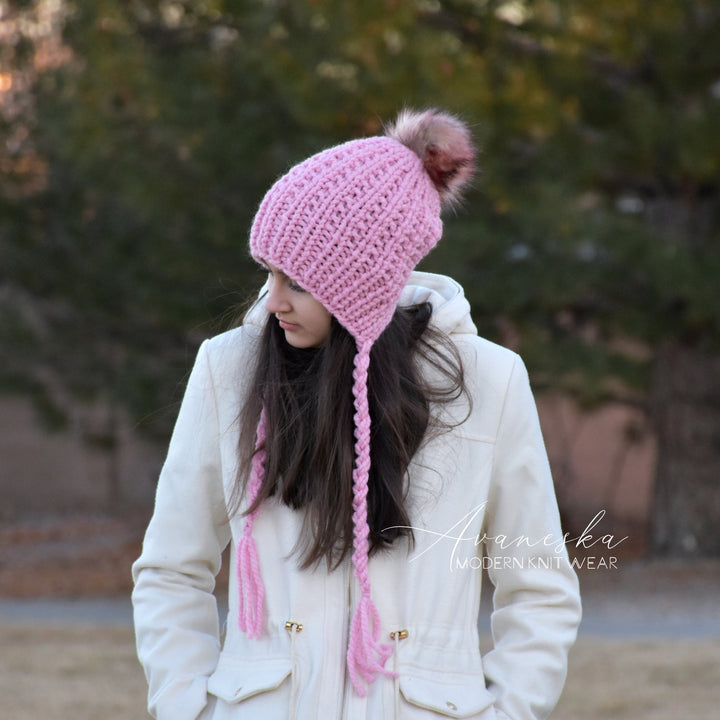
<point x="288" y="326"/>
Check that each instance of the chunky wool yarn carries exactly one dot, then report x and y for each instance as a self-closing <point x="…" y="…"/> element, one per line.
<point x="349" y="225"/>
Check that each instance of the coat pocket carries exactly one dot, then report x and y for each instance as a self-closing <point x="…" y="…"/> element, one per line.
<point x="449" y="694"/>
<point x="236" y="680"/>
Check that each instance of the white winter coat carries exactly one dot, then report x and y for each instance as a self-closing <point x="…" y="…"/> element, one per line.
<point x="487" y="478"/>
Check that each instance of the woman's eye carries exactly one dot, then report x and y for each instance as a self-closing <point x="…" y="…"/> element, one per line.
<point x="290" y="283"/>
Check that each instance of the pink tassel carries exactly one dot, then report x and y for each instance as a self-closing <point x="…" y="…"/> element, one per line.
<point x="251" y="593"/>
<point x="366" y="658"/>
<point x="251" y="590"/>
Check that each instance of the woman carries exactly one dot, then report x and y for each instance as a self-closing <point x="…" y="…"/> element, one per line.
<point x="360" y="447"/>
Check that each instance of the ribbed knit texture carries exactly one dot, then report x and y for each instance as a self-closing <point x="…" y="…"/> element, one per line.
<point x="349" y="225"/>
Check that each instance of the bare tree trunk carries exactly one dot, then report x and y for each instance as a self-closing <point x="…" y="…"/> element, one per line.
<point x="685" y="404"/>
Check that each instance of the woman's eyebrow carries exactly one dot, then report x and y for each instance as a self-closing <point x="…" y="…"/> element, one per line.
<point x="277" y="271"/>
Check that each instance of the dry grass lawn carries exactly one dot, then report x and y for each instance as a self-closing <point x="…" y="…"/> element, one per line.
<point x="643" y="680"/>
<point x="92" y="674"/>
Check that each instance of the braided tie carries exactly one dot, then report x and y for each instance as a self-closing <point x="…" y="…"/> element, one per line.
<point x="251" y="591"/>
<point x="365" y="657"/>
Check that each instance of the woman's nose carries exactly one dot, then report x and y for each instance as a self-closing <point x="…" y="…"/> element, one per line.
<point x="276" y="300"/>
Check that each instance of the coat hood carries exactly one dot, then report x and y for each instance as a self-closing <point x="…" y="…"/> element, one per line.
<point x="451" y="309"/>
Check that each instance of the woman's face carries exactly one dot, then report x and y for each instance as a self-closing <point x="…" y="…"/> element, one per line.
<point x="304" y="319"/>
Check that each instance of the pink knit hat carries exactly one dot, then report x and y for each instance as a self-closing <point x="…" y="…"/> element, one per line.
<point x="349" y="225"/>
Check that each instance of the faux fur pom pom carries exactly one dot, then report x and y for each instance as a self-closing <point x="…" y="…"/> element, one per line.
<point x="444" y="144"/>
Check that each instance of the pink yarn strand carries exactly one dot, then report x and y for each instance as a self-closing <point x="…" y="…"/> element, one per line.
<point x="251" y="590"/>
<point x="365" y="657"/>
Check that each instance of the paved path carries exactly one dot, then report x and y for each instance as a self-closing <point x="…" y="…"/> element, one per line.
<point x="103" y="612"/>
<point x="609" y="611"/>
<point x="635" y="618"/>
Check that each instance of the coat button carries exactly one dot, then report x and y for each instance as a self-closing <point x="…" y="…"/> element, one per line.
<point x="451" y="705"/>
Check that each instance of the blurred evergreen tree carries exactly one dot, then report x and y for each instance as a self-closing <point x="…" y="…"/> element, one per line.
<point x="593" y="235"/>
<point x="602" y="205"/>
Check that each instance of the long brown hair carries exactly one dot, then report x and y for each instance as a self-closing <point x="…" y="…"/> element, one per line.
<point x="307" y="394"/>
